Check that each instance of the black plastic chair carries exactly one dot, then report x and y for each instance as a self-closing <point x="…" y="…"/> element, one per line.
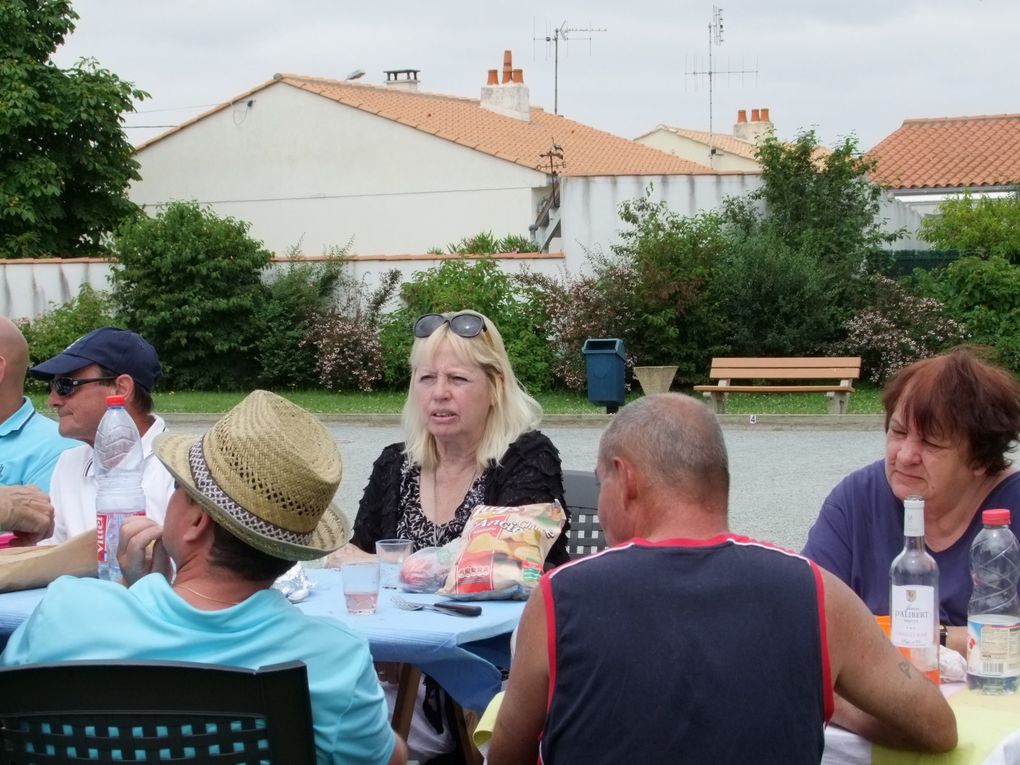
<point x="155" y="711"/>
<point x="582" y="494"/>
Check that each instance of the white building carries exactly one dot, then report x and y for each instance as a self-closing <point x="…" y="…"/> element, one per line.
<point x="399" y="171"/>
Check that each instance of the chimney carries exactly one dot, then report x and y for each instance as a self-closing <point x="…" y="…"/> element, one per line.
<point x="402" y="79"/>
<point x="756" y="129"/>
<point x="493" y="77"/>
<point x="509" y="97"/>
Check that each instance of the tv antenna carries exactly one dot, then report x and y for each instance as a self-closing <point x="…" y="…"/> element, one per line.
<point x="715" y="38"/>
<point x="554" y="37"/>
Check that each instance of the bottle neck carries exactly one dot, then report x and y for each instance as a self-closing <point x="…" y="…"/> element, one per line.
<point x="913" y="526"/>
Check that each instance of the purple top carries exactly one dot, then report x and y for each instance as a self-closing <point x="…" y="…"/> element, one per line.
<point x="860" y="530"/>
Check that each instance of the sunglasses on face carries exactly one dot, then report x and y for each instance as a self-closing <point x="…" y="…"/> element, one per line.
<point x="65" y="386"/>
<point x="463" y="324"/>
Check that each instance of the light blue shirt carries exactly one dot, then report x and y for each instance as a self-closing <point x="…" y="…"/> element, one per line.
<point x="29" y="446"/>
<point x="92" y="619"/>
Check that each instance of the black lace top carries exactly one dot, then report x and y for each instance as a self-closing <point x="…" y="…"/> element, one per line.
<point x="391" y="506"/>
<point x="419" y="529"/>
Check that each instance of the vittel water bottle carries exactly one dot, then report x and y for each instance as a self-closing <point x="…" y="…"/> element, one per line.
<point x="914" y="595"/>
<point x="993" y="614"/>
<point x="117" y="457"/>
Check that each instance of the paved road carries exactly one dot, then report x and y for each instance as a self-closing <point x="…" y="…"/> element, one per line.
<point x="780" y="473"/>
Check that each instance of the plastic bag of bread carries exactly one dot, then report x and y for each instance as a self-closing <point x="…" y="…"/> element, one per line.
<point x="503" y="551"/>
<point x="425" y="570"/>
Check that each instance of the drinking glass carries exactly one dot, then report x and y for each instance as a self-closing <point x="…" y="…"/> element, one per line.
<point x="361" y="586"/>
<point x="391" y="553"/>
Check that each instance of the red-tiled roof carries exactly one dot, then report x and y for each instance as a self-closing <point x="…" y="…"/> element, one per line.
<point x="586" y="151"/>
<point x="948" y="152"/>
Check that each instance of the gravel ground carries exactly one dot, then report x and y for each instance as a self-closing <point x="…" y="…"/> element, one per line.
<point x="780" y="471"/>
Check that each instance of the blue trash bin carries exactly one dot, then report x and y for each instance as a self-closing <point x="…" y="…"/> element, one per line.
<point x="606" y="364"/>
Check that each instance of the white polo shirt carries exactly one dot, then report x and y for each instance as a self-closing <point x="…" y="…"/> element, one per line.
<point x="73" y="487"/>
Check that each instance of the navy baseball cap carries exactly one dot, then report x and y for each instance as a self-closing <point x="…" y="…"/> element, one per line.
<point x="120" y="351"/>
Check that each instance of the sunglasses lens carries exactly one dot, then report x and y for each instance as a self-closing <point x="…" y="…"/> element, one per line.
<point x="428" y="324"/>
<point x="62" y="386"/>
<point x="467" y="324"/>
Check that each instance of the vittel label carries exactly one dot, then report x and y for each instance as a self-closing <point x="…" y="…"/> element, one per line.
<point x="993" y="646"/>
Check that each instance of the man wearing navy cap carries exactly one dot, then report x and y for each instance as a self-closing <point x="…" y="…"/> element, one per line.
<point x="105" y="362"/>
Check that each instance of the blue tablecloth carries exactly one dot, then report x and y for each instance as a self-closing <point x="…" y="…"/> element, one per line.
<point x="464" y="654"/>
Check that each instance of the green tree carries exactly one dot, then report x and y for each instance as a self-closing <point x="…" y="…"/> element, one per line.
<point x="980" y="226"/>
<point x="479" y="285"/>
<point x="189" y="281"/>
<point x="65" y="163"/>
<point x="806" y="245"/>
<point x="297" y="292"/>
<point x="983" y="294"/>
<point x="666" y="313"/>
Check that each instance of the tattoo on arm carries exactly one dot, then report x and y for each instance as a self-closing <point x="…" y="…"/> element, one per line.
<point x="906" y="668"/>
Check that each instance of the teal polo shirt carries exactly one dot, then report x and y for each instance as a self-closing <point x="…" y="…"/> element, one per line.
<point x="29" y="447"/>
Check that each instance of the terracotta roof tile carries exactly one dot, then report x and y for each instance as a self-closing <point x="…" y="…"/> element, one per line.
<point x="586" y="151"/>
<point x="949" y="152"/>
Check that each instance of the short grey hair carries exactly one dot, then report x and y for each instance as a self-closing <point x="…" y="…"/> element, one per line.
<point x="676" y="442"/>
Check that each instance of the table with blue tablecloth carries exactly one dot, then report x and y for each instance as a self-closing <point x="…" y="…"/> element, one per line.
<point x="464" y="654"/>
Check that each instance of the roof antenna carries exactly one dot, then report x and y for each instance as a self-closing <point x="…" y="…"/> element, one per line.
<point x="715" y="37"/>
<point x="554" y="37"/>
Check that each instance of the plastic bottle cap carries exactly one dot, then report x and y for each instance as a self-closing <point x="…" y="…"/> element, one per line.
<point x="998" y="517"/>
<point x="119" y="401"/>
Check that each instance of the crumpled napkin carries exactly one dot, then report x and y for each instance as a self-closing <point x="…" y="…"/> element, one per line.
<point x="295" y="584"/>
<point x="952" y="665"/>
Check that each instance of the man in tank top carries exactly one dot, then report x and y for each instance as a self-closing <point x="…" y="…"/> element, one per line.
<point x="687" y="643"/>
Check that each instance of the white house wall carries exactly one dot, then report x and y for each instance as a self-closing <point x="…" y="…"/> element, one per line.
<point x="590" y="206"/>
<point x="300" y="167"/>
<point x="682" y="146"/>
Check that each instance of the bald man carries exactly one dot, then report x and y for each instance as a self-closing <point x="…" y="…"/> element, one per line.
<point x="686" y="642"/>
<point x="29" y="447"/>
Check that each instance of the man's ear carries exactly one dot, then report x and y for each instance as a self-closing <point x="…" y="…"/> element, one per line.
<point x="199" y="525"/>
<point x="124" y="386"/>
<point x="628" y="476"/>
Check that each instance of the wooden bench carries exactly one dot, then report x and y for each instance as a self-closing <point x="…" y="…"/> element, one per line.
<point x="726" y="370"/>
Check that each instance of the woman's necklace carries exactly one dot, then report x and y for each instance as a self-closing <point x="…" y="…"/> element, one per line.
<point x="435" y="503"/>
<point x="207" y="597"/>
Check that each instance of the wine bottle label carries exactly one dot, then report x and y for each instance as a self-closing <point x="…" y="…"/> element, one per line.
<point x="914" y="617"/>
<point x="993" y="645"/>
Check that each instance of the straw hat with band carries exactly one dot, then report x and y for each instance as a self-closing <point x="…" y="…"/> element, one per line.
<point x="266" y="472"/>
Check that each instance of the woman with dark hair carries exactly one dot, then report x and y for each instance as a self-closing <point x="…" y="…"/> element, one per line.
<point x="950" y="422"/>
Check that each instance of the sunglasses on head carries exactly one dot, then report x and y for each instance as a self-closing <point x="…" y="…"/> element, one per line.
<point x="463" y="324"/>
<point x="65" y="386"/>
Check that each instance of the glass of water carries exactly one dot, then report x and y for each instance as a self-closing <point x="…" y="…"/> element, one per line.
<point x="391" y="553"/>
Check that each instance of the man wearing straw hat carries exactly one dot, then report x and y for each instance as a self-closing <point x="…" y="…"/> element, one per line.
<point x="254" y="494"/>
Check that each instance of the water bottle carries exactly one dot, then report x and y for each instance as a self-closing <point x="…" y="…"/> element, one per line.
<point x="118" y="461"/>
<point x="993" y="614"/>
<point x="914" y="595"/>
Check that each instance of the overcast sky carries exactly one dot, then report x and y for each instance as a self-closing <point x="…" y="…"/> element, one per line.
<point x="860" y="67"/>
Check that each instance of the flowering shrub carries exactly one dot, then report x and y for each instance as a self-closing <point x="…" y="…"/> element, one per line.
<point x="579" y="308"/>
<point x="348" y="351"/>
<point x="348" y="354"/>
<point x="901" y="329"/>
